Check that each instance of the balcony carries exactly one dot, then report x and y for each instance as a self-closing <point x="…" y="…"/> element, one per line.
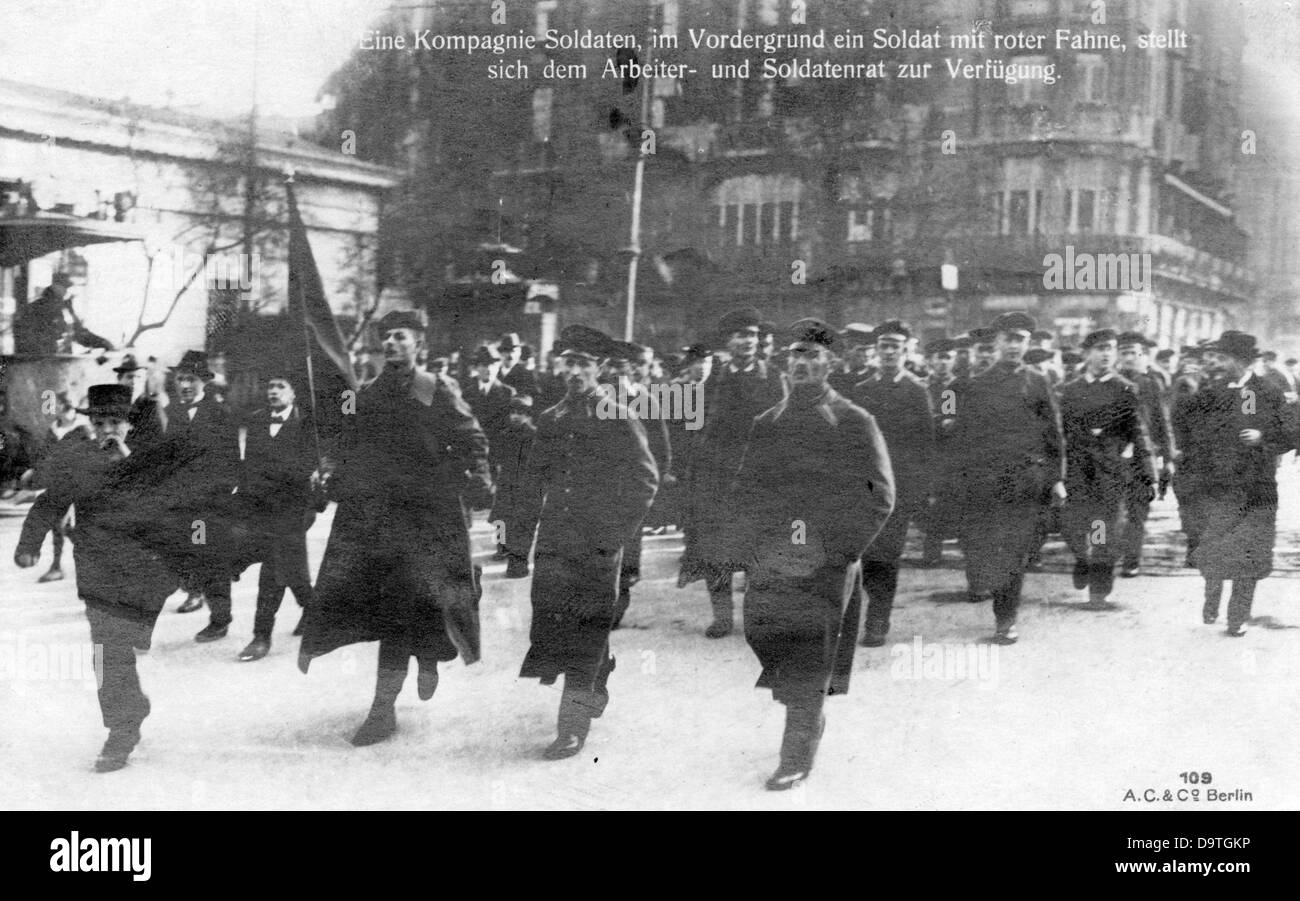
<point x="1089" y="122"/>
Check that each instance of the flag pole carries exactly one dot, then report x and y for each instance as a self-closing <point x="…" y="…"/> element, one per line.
<point x="306" y="332"/>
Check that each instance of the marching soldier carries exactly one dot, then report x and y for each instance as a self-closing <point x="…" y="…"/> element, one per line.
<point x="813" y="491"/>
<point x="900" y="405"/>
<point x="618" y="372"/>
<point x="1238" y="430"/>
<point x="594" y="479"/>
<point x="1101" y="417"/>
<point x="1133" y="365"/>
<point x="940" y="521"/>
<point x="273" y="508"/>
<point x="201" y="436"/>
<point x="734" y="393"/>
<point x="1009" y="431"/>
<point x="121" y="546"/>
<point x="397" y="568"/>
<point x="859" y="340"/>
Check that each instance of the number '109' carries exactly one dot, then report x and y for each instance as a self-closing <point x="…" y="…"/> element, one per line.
<point x="1196" y="778"/>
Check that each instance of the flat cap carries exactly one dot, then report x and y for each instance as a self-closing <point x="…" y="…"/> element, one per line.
<point x="1015" y="321"/>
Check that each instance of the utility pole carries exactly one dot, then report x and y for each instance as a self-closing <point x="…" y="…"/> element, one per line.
<point x="634" y="244"/>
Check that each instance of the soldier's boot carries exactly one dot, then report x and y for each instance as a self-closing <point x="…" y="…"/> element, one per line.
<point x="121" y="742"/>
<point x="381" y="722"/>
<point x="573" y="722"/>
<point x="722" y="624"/>
<point x="804" y="725"/>
<point x="1213" y="597"/>
<point x="1239" y="603"/>
<point x="426" y="679"/>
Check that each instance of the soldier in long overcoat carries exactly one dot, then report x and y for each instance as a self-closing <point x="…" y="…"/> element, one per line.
<point x="900" y="405"/>
<point x="814" y="488"/>
<point x="1009" y="433"/>
<point x="124" y="546"/>
<point x="1134" y="366"/>
<point x="397" y="568"/>
<point x="734" y="393"/>
<point x="1238" y="428"/>
<point x="595" y="479"/>
<point x="1101" y="417"/>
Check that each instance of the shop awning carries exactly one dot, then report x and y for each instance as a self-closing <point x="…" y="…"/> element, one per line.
<point x="26" y="238"/>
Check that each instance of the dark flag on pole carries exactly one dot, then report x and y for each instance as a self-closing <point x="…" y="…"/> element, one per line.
<point x="315" y="350"/>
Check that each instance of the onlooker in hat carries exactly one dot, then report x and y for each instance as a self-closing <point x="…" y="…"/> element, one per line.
<point x="490" y="402"/>
<point x="528" y="359"/>
<point x="397" y="568"/>
<point x="594" y="478"/>
<point x="819" y="462"/>
<point x="122" y="541"/>
<point x="148" y="409"/>
<point x="1237" y="431"/>
<point x="1009" y="431"/>
<point x="204" y="442"/>
<point x="859" y="345"/>
<point x="901" y="406"/>
<point x="1101" y="417"/>
<point x="1166" y="364"/>
<point x="1133" y="365"/>
<point x="511" y="373"/>
<point x="49" y="325"/>
<point x="941" y="386"/>
<point x="53" y="456"/>
<point x="984" y="349"/>
<point x="734" y="393"/>
<point x="513" y="504"/>
<point x="274" y="507"/>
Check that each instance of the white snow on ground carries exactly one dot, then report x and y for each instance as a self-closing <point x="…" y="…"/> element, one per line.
<point x="1087" y="706"/>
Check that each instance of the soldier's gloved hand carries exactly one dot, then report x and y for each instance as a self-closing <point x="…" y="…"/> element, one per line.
<point x="24" y="561"/>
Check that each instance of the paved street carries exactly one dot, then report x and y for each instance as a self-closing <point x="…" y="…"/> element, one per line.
<point x="1085" y="708"/>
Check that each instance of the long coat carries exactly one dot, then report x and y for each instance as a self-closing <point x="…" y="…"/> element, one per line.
<point x="901" y="408"/>
<point x="125" y="540"/>
<point x="275" y="492"/>
<point x="1008" y="433"/>
<point x="399" y="548"/>
<point x="731" y="401"/>
<point x="814" y="489"/>
<point x="594" y="479"/>
<point x="206" y="449"/>
<point x="1235" y="484"/>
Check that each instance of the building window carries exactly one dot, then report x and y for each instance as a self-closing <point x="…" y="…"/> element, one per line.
<point x="757" y="223"/>
<point x="1091" y="71"/>
<point x="1018" y="213"/>
<point x="1086" y="211"/>
<point x="1028" y="91"/>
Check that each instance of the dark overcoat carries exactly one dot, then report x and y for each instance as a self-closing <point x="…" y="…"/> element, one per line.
<point x="815" y="487"/>
<point x="125" y="542"/>
<point x="594" y="479"/>
<point x="399" y="549"/>
<point x="731" y="401"/>
<point x="1008" y="435"/>
<point x="206" y="449"/>
<point x="1236" y="484"/>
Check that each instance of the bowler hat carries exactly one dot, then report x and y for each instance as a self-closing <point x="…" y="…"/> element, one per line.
<point x="483" y="356"/>
<point x="194" y="362"/>
<point x="584" y="341"/>
<point x="1238" y="345"/>
<point x="1015" y="321"/>
<point x="109" y="400"/>
<point x="1098" y="336"/>
<point x="809" y="331"/>
<point x="395" y="319"/>
<point x="128" y="364"/>
<point x="509" y="341"/>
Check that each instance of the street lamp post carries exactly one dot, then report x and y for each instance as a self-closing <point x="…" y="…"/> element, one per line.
<point x="633" y="249"/>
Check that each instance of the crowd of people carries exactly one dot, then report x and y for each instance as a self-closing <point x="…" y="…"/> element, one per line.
<point x="819" y="449"/>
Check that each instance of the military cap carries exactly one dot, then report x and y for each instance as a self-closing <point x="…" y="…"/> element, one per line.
<point x="584" y="341"/>
<point x="1164" y="354"/>
<point x="940" y="346"/>
<point x="1042" y="334"/>
<point x="1015" y="321"/>
<point x="738" y="321"/>
<point x="1071" y="358"/>
<point x="809" y="331"/>
<point x="1238" y="345"/>
<point x="483" y="356"/>
<point x="1098" y="336"/>
<point x="395" y="319"/>
<point x="858" y="333"/>
<point x="983" y="335"/>
<point x="694" y="354"/>
<point x="623" y="350"/>
<point x="891" y="327"/>
<point x="1125" y="339"/>
<point x="1037" y="355"/>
